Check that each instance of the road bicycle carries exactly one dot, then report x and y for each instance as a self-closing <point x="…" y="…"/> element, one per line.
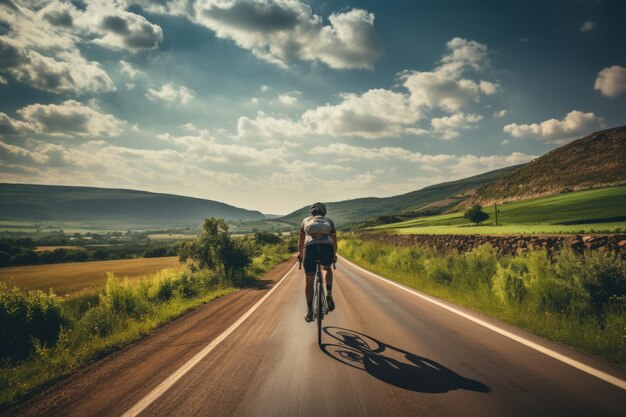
<point x="320" y="305"/>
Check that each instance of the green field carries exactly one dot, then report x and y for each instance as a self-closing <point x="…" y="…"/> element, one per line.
<point x="593" y="211"/>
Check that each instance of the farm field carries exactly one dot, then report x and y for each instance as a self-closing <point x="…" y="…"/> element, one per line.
<point x="72" y="278"/>
<point x="592" y="211"/>
<point x="53" y="248"/>
<point x="171" y="236"/>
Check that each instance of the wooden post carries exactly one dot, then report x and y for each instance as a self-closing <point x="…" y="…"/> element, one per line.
<point x="495" y="205"/>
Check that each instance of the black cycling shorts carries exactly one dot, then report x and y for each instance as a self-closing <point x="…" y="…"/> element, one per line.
<point x="322" y="251"/>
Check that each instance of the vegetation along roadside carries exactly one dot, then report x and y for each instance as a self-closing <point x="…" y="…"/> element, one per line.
<point x="571" y="298"/>
<point x="44" y="336"/>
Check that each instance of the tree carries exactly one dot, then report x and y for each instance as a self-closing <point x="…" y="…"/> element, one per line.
<point x="215" y="249"/>
<point x="5" y="259"/>
<point x="100" y="255"/>
<point x="267" y="238"/>
<point x="475" y="214"/>
<point x="155" y="252"/>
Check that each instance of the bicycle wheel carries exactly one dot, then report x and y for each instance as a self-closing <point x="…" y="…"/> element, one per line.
<point x="320" y="306"/>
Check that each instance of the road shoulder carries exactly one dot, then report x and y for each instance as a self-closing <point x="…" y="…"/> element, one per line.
<point x="118" y="380"/>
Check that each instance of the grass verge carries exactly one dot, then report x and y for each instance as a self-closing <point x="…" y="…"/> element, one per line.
<point x="578" y="300"/>
<point x="44" y="336"/>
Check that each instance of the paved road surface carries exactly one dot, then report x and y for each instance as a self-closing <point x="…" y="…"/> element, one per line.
<point x="386" y="352"/>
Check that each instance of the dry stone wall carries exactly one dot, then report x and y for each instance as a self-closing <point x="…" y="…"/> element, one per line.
<point x="507" y="244"/>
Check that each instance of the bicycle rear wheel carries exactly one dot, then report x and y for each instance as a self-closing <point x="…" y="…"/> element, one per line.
<point x="320" y="306"/>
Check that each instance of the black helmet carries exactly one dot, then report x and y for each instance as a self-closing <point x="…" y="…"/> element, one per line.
<point x="318" y="209"/>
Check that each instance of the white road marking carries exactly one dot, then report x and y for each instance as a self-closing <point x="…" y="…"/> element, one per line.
<point x="558" y="356"/>
<point x="171" y="380"/>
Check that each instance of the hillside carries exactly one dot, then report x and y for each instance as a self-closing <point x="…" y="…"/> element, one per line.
<point x="435" y="198"/>
<point x="110" y="207"/>
<point x="595" y="161"/>
<point x="599" y="210"/>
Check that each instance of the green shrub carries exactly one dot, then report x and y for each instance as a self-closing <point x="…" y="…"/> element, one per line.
<point x="509" y="284"/>
<point x="481" y="264"/>
<point x="440" y="275"/>
<point x="164" y="289"/>
<point x="27" y="319"/>
<point x="123" y="297"/>
<point x="98" y="321"/>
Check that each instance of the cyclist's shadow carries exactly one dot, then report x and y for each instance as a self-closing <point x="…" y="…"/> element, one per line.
<point x="394" y="366"/>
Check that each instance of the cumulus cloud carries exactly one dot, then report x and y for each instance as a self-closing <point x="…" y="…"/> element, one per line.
<point x="374" y="114"/>
<point x="280" y="31"/>
<point x="454" y="164"/>
<point x="171" y="94"/>
<point x="448" y="127"/>
<point x="203" y="147"/>
<point x="463" y="54"/>
<point x="68" y="72"/>
<point x="445" y="87"/>
<point x="170" y="7"/>
<point x="106" y="23"/>
<point x="41" y="45"/>
<point x="269" y="128"/>
<point x="611" y="81"/>
<point x="440" y="90"/>
<point x="385" y="153"/>
<point x="12" y="154"/>
<point x="289" y="99"/>
<point x="501" y="113"/>
<point x="472" y="164"/>
<point x="382" y="113"/>
<point x="128" y="70"/>
<point x="123" y="30"/>
<point x="57" y="13"/>
<point x="70" y="118"/>
<point x="588" y="26"/>
<point x="10" y="126"/>
<point x="574" y="125"/>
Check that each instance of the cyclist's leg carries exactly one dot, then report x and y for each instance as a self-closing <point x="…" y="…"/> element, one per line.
<point x="327" y="257"/>
<point x="328" y="275"/>
<point x="308" y="288"/>
<point x="309" y="272"/>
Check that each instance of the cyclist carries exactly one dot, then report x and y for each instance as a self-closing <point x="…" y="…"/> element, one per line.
<point x="318" y="241"/>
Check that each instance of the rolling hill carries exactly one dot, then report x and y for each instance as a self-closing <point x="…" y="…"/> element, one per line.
<point x="595" y="161"/>
<point x="432" y="199"/>
<point x="110" y="207"/>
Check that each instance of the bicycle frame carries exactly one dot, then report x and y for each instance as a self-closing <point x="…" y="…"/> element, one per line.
<point x="320" y="305"/>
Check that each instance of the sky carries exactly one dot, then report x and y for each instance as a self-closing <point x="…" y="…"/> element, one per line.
<point x="274" y="104"/>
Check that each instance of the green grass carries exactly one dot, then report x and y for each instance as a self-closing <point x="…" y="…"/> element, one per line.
<point x="547" y="215"/>
<point x="578" y="300"/>
<point x="45" y="336"/>
<point x="515" y="229"/>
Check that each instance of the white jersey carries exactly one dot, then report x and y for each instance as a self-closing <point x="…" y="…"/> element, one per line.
<point x="318" y="230"/>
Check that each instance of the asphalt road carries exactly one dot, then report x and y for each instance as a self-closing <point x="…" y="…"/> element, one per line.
<point x="386" y="352"/>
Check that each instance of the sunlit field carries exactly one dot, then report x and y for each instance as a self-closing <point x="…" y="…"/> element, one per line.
<point x="578" y="212"/>
<point x="70" y="278"/>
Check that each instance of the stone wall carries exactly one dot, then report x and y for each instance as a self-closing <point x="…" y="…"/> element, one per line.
<point x="507" y="244"/>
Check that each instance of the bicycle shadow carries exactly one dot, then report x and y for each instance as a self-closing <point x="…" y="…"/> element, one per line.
<point x="393" y="365"/>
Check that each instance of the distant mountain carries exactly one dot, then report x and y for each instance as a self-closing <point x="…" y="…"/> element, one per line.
<point x="595" y="161"/>
<point x="430" y="200"/>
<point x="110" y="207"/>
